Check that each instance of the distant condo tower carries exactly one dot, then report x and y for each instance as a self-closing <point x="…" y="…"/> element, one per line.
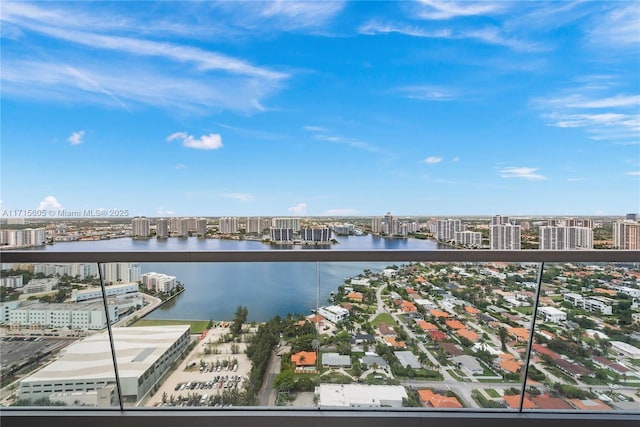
<point x="503" y="235"/>
<point x="140" y="227"/>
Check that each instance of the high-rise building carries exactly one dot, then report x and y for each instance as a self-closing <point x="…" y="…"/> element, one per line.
<point x="201" y="227"/>
<point x="124" y="272"/>
<point x="626" y="235"/>
<point x="281" y="234"/>
<point x="579" y="222"/>
<point x="504" y="236"/>
<point x="228" y="225"/>
<point x="319" y="234"/>
<point x="500" y="220"/>
<point x="162" y="228"/>
<point x="292" y="223"/>
<point x="140" y="227"/>
<point x="565" y="238"/>
<point x="446" y="229"/>
<point x="255" y="225"/>
<point x="23" y="238"/>
<point x="159" y="282"/>
<point x="468" y="238"/>
<point x="376" y="225"/>
<point x="181" y="227"/>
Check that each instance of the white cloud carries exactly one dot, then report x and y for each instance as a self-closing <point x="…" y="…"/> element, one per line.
<point x="438" y="10"/>
<point x="241" y="197"/>
<point x="165" y="212"/>
<point x="340" y="212"/>
<point x="489" y="35"/>
<point x="455" y="159"/>
<point x="180" y="166"/>
<point x="49" y="202"/>
<point x="602" y="115"/>
<point x="76" y="137"/>
<point x="618" y="27"/>
<point x="314" y="129"/>
<point x="633" y="173"/>
<point x="300" y="14"/>
<point x="299" y="209"/>
<point x="429" y="93"/>
<point x="432" y="160"/>
<point x="521" y="172"/>
<point x="213" y="141"/>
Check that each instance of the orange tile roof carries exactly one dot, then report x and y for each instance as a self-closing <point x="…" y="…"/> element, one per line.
<point x="455" y="324"/>
<point x="438" y="313"/>
<point x="506" y="356"/>
<point x="605" y="291"/>
<point x="395" y="343"/>
<point x="420" y="279"/>
<point x="437" y="400"/>
<point x="510" y="366"/>
<point x="426" y="326"/>
<point x="470" y="335"/>
<point x="544" y="401"/>
<point x="519" y="333"/>
<point x="304" y="358"/>
<point x="355" y="296"/>
<point x="471" y="310"/>
<point x="315" y="318"/>
<point x="514" y="402"/>
<point x="408" y="307"/>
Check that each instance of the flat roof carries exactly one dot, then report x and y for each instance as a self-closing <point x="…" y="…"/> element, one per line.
<point x="347" y="395"/>
<point x="90" y="358"/>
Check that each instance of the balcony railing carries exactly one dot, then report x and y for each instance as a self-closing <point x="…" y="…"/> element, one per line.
<point x="509" y="381"/>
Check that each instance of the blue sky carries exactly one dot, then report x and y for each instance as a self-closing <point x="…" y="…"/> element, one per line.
<point x="331" y="108"/>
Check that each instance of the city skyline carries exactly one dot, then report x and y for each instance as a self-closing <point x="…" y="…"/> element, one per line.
<point x="322" y="108"/>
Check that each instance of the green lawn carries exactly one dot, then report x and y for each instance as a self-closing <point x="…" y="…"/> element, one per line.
<point x="197" y="326"/>
<point x="383" y="318"/>
<point x="491" y="392"/>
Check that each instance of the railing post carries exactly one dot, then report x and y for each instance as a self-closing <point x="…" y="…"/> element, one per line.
<point x="111" y="341"/>
<point x="532" y="332"/>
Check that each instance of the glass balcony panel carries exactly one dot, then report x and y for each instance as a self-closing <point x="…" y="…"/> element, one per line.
<point x="586" y="350"/>
<point x="205" y="335"/>
<point x="54" y="346"/>
<point x="438" y="335"/>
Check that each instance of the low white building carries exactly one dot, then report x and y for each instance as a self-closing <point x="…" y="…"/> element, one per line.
<point x="601" y="304"/>
<point x="159" y="282"/>
<point x="5" y="309"/>
<point x="623" y="349"/>
<point x="360" y="396"/>
<point x="96" y="292"/>
<point x="39" y="285"/>
<point x="73" y="316"/>
<point x="144" y="355"/>
<point x="552" y="314"/>
<point x="11" y="282"/>
<point x="334" y="313"/>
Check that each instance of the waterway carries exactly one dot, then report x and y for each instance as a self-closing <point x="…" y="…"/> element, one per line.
<point x="214" y="290"/>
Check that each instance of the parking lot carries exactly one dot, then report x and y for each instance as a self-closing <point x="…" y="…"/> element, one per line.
<point x="211" y="368"/>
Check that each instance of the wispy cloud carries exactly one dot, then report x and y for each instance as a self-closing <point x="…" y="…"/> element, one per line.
<point x="241" y="197"/>
<point x="49" y="202"/>
<point x="323" y="134"/>
<point x="299" y="209"/>
<point x="438" y="10"/>
<point x="633" y="173"/>
<point x="180" y="166"/>
<point x="592" y="107"/>
<point x="165" y="212"/>
<point x="164" y="74"/>
<point x="521" y="172"/>
<point x="76" y="137"/>
<point x="432" y="160"/>
<point x="576" y="179"/>
<point x="429" y="93"/>
<point x="617" y="27"/>
<point x="305" y="14"/>
<point x="213" y="141"/>
<point x="489" y="35"/>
